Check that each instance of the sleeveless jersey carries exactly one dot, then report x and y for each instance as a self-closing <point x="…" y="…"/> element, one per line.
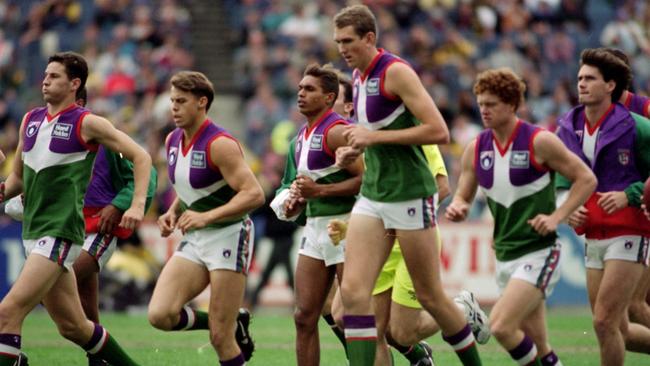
<point x="197" y="182"/>
<point x="517" y="190"/>
<point x="393" y="172"/>
<point x="56" y="168"/>
<point x="315" y="160"/>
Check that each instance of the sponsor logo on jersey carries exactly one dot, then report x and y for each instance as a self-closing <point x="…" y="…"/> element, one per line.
<point x="486" y="159"/>
<point x="62" y="131"/>
<point x="226" y="253"/>
<point x="173" y="154"/>
<point x="520" y="159"/>
<point x="372" y="86"/>
<point x="198" y="159"/>
<point x="32" y="127"/>
<point x="624" y="156"/>
<point x="316" y="143"/>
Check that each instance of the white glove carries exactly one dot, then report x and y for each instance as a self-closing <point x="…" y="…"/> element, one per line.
<point x="277" y="205"/>
<point x="14" y="208"/>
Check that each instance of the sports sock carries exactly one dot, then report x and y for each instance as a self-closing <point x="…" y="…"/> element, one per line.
<point x="525" y="353"/>
<point x="412" y="353"/>
<point x="237" y="361"/>
<point x="9" y="348"/>
<point x="335" y="328"/>
<point x="361" y="337"/>
<point x="106" y="347"/>
<point x="191" y="319"/>
<point x="465" y="347"/>
<point x="551" y="359"/>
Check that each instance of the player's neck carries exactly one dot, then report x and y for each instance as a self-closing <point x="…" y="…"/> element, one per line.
<point x="594" y="112"/>
<point x="315" y="118"/>
<point x="55" y="108"/>
<point x="366" y="63"/>
<point x="194" y="128"/>
<point x="504" y="131"/>
<point x="624" y="96"/>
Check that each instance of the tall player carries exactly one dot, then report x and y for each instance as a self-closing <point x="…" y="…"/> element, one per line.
<point x="615" y="143"/>
<point x="52" y="167"/>
<point x="395" y="117"/>
<point x="215" y="192"/>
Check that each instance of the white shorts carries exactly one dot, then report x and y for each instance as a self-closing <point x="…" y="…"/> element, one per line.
<point x="100" y="247"/>
<point x="414" y="214"/>
<point x="229" y="247"/>
<point x="541" y="268"/>
<point x="631" y="248"/>
<point x="317" y="244"/>
<point x="61" y="251"/>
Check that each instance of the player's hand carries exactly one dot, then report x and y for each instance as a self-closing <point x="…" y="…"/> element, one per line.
<point x="357" y="136"/>
<point x="612" y="201"/>
<point x="457" y="210"/>
<point x="544" y="224"/>
<point x="578" y="217"/>
<point x="307" y="188"/>
<point x="645" y="208"/>
<point x="337" y="229"/>
<point x="167" y="223"/>
<point x="346" y="155"/>
<point x="192" y="220"/>
<point x="132" y="217"/>
<point x="295" y="203"/>
<point x="109" y="216"/>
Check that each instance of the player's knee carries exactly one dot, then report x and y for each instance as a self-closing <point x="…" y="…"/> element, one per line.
<point x="351" y="295"/>
<point x="403" y="335"/>
<point x="501" y="329"/>
<point x="305" y="320"/>
<point x="160" y="318"/>
<point x="605" y="324"/>
<point x="638" y="309"/>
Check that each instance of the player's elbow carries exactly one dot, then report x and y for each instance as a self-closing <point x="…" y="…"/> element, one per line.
<point x="256" y="197"/>
<point x="589" y="181"/>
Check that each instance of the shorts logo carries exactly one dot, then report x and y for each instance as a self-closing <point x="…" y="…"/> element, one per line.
<point x="316" y="142"/>
<point x="62" y="131"/>
<point x="520" y="160"/>
<point x="173" y="154"/>
<point x="628" y="244"/>
<point x="32" y="127"/>
<point x="528" y="267"/>
<point x="372" y="87"/>
<point x="198" y="160"/>
<point x="41" y="243"/>
<point x="624" y="156"/>
<point x="486" y="159"/>
<point x="226" y="253"/>
<point x="411" y="211"/>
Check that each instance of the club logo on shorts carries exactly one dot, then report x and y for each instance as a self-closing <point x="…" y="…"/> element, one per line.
<point x="226" y="253"/>
<point x="528" y="267"/>
<point x="173" y="154"/>
<point x="62" y="131"/>
<point x="520" y="160"/>
<point x="41" y="243"/>
<point x="486" y="159"/>
<point x="411" y="211"/>
<point x="372" y="87"/>
<point x="32" y="127"/>
<point x="624" y="156"/>
<point x="628" y="244"/>
<point x="198" y="160"/>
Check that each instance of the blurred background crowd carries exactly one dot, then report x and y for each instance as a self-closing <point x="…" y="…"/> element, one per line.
<point x="256" y="50"/>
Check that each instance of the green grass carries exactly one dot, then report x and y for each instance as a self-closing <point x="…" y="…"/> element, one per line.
<point x="570" y="332"/>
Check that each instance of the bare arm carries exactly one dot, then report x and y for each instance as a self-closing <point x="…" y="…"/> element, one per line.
<point x="100" y="130"/>
<point x="403" y="82"/>
<point x="550" y="151"/>
<point x="442" y="181"/>
<point x="467" y="185"/>
<point x="349" y="187"/>
<point x="227" y="156"/>
<point x="13" y="185"/>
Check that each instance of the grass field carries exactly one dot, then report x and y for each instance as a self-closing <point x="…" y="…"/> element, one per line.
<point x="570" y="331"/>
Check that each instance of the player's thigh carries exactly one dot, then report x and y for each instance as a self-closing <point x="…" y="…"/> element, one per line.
<point x="617" y="286"/>
<point x="642" y="287"/>
<point x="226" y="295"/>
<point x="420" y="252"/>
<point x="180" y="281"/>
<point x="367" y="247"/>
<point x="312" y="283"/>
<point x="519" y="299"/>
<point x="64" y="306"/>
